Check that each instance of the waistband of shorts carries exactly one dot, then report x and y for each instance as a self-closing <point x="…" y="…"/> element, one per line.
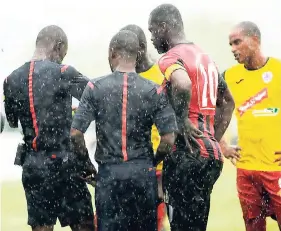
<point x="143" y="162"/>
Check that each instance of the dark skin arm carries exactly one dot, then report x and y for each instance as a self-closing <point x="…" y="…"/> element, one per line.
<point x="224" y="109"/>
<point x="79" y="148"/>
<point x="181" y="95"/>
<point x="165" y="147"/>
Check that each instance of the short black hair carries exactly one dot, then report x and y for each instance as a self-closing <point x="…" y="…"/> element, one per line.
<point x="51" y="34"/>
<point x="139" y="32"/>
<point x="168" y="14"/>
<point x="250" y="29"/>
<point x="125" y="43"/>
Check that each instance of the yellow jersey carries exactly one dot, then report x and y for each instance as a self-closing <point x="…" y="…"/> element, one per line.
<point x="154" y="74"/>
<point x="257" y="96"/>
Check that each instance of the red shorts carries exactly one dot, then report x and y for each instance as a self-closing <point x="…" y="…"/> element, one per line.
<point x="259" y="193"/>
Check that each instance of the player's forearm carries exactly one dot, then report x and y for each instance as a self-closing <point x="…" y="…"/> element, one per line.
<point x="165" y="147"/>
<point x="181" y="100"/>
<point x="222" y="120"/>
<point x="223" y="145"/>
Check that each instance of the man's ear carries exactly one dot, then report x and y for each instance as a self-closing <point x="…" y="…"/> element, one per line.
<point x="57" y="46"/>
<point x="163" y="27"/>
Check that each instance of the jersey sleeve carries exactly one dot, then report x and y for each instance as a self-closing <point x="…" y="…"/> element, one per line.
<point x="164" y="115"/>
<point x="76" y="80"/>
<point x="85" y="113"/>
<point x="10" y="104"/>
<point x="168" y="64"/>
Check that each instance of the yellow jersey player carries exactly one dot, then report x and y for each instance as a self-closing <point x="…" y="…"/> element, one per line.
<point x="147" y="69"/>
<point x="255" y="84"/>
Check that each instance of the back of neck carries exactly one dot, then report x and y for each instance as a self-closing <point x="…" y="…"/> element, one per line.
<point x="40" y="54"/>
<point x="126" y="67"/>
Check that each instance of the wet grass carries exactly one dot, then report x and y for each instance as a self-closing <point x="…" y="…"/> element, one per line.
<point x="225" y="212"/>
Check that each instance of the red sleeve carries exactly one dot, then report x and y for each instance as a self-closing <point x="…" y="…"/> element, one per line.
<point x="168" y="63"/>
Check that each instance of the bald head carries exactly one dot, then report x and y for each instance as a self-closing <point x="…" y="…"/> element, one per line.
<point x="249" y="29"/>
<point x="51" y="44"/>
<point x="51" y="35"/>
<point x="168" y="14"/>
<point x="125" y="44"/>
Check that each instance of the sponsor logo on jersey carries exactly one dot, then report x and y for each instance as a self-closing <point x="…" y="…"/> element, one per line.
<point x="272" y="111"/>
<point x="267" y="77"/>
<point x="259" y="97"/>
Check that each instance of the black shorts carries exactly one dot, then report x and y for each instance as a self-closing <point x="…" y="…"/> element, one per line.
<point x="188" y="182"/>
<point x="54" y="190"/>
<point x="126" y="197"/>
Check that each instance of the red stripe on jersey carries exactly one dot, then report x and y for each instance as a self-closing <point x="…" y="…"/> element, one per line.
<point x="63" y="69"/>
<point x="31" y="104"/>
<point x="91" y="85"/>
<point x="124" y="117"/>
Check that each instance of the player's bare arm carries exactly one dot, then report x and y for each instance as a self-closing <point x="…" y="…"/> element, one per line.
<point x="224" y="109"/>
<point x="165" y="147"/>
<point x="181" y="95"/>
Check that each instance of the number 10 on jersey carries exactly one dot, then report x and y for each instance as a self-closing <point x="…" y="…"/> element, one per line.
<point x="207" y="77"/>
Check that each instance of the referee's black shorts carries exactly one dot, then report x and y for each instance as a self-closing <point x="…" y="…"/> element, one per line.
<point x="126" y="197"/>
<point x="54" y="190"/>
<point x="188" y="181"/>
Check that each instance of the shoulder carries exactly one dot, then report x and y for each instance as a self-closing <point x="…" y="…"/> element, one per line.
<point x="67" y="69"/>
<point x="153" y="74"/>
<point x="168" y="59"/>
<point x="15" y="75"/>
<point x="274" y="61"/>
<point x="233" y="72"/>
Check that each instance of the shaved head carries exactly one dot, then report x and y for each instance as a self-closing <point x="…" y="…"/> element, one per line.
<point x="52" y="43"/>
<point x="249" y="29"/>
<point x="168" y="14"/>
<point x="123" y="48"/>
<point x="51" y="35"/>
<point x="126" y="44"/>
<point x="166" y="26"/>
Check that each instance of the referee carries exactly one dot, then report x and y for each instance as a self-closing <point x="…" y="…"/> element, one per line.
<point x="125" y="106"/>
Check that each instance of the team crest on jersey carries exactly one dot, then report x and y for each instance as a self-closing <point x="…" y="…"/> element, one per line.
<point x="259" y="97"/>
<point x="279" y="182"/>
<point x="267" y="76"/>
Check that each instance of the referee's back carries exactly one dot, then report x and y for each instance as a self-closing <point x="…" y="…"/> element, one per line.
<point x="124" y="106"/>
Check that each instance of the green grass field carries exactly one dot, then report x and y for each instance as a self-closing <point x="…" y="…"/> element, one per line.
<point x="225" y="212"/>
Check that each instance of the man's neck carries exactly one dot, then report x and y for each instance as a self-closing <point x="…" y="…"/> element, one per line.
<point x="126" y="66"/>
<point x="177" y="39"/>
<point x="41" y="54"/>
<point x="144" y="65"/>
<point x="256" y="62"/>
